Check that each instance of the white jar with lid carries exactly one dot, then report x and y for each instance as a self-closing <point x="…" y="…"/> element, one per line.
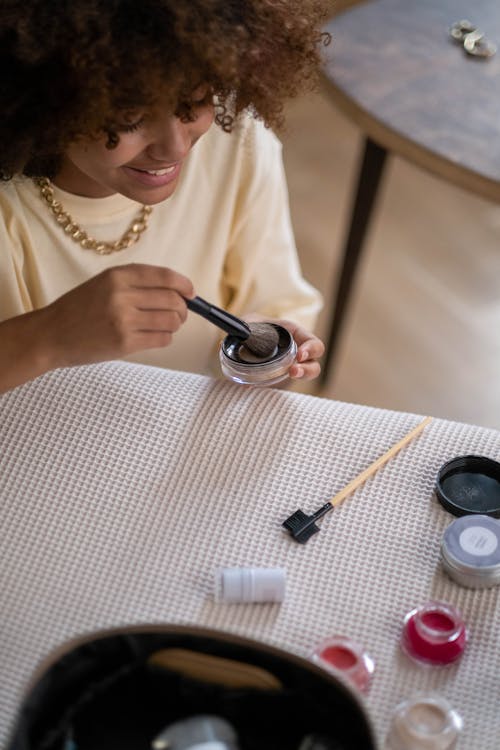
<point x="470" y="551"/>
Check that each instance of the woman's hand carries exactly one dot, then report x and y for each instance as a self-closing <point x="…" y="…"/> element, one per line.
<point x="309" y="347"/>
<point x="120" y="311"/>
<point x="309" y="350"/>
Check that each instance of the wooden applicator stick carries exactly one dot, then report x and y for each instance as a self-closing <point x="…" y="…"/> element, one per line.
<point x="302" y="526"/>
<point x="376" y="465"/>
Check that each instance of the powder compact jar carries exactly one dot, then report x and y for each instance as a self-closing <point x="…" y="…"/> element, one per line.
<point x="241" y="366"/>
<point x="424" y="722"/>
<point x="346" y="658"/>
<point x="434" y="634"/>
<point x="470" y="551"/>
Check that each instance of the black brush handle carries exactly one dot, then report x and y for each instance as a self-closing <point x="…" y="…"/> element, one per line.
<point x="321" y="511"/>
<point x="220" y="318"/>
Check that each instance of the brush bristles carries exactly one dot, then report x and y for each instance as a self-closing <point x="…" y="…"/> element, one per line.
<point x="296" y="521"/>
<point x="263" y="340"/>
<point x="301" y="526"/>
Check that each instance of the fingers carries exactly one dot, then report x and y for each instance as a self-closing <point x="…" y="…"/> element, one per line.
<point x="118" y="312"/>
<point x="307" y="371"/>
<point x="157" y="310"/>
<point x="152" y="299"/>
<point x="306" y="365"/>
<point x="150" y="340"/>
<point x="159" y="299"/>
<point x="309" y="347"/>
<point x="140" y="275"/>
<point x="309" y="350"/>
<point x="166" y="321"/>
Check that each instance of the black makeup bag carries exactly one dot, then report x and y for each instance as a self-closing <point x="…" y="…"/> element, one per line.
<point x="121" y="689"/>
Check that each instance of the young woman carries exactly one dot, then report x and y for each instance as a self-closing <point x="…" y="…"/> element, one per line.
<point x="140" y="169"/>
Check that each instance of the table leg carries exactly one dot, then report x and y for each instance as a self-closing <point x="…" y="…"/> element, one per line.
<point x="370" y="173"/>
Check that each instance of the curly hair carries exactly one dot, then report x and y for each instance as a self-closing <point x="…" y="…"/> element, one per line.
<point x="69" y="66"/>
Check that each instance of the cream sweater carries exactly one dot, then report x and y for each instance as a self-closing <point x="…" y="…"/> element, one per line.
<point x="226" y="227"/>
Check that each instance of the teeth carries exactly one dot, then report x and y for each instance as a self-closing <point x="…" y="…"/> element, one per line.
<point x="159" y="172"/>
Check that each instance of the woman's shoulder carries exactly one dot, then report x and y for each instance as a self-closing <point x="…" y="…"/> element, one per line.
<point x="248" y="152"/>
<point x="248" y="137"/>
<point x="15" y="193"/>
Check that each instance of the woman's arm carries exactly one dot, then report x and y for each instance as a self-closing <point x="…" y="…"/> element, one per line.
<point x="23" y="355"/>
<point x="122" y="310"/>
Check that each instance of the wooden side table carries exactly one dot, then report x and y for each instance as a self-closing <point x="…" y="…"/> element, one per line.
<point x="414" y="92"/>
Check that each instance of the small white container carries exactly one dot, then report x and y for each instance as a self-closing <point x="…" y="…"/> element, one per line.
<point x="470" y="551"/>
<point x="239" y="585"/>
<point x="424" y="722"/>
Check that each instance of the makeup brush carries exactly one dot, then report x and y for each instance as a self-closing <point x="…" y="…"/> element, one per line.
<point x="302" y="526"/>
<point x="261" y="339"/>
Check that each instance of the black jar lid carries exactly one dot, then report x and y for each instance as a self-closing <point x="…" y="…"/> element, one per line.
<point x="470" y="484"/>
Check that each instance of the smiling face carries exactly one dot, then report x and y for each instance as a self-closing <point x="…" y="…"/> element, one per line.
<point x="145" y="164"/>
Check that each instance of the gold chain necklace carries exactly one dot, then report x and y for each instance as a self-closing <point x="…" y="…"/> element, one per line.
<point x="136" y="228"/>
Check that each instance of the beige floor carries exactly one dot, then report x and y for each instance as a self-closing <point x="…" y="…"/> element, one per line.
<point x="423" y="333"/>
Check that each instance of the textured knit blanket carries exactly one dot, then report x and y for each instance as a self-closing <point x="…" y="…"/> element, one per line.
<point x="123" y="488"/>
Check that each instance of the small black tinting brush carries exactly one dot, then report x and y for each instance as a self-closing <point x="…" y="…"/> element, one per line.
<point x="261" y="339"/>
<point x="302" y="527"/>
